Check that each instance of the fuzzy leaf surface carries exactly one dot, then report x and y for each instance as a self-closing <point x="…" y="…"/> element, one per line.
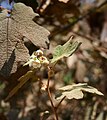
<point x="65" y="50"/>
<point x="13" y="30"/>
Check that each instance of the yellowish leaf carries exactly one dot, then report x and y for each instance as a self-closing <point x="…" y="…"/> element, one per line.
<point x="76" y="91"/>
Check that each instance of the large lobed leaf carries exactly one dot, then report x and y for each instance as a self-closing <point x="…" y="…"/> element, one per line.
<point x="65" y="50"/>
<point x="13" y="30"/>
<point x="76" y="91"/>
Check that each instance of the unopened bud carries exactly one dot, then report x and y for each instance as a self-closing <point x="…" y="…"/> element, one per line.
<point x="39" y="53"/>
<point x="44" y="60"/>
<point x="43" y="88"/>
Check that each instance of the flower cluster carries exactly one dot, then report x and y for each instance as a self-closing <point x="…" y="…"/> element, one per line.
<point x="37" y="59"/>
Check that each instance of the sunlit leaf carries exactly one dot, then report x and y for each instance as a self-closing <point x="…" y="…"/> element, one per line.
<point x="70" y="87"/>
<point x="65" y="50"/>
<point x="76" y="91"/>
<point x="65" y="1"/>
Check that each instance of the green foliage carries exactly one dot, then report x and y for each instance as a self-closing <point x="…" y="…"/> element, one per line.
<point x="68" y="78"/>
<point x="65" y="50"/>
<point x="2" y="86"/>
<point x="76" y="91"/>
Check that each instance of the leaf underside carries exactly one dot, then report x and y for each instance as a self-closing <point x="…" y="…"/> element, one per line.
<point x="13" y="30"/>
<point x="76" y="91"/>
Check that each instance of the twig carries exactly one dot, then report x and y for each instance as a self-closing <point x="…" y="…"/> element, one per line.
<point x="101" y="49"/>
<point x="77" y="20"/>
<point x="60" y="103"/>
<point x="54" y="108"/>
<point x="50" y="97"/>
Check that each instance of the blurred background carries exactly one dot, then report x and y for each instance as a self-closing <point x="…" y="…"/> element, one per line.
<point x="86" y="20"/>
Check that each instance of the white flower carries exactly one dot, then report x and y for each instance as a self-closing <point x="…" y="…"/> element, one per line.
<point x="33" y="56"/>
<point x="39" y="53"/>
<point x="33" y="63"/>
<point x="44" y="60"/>
<point x="37" y="59"/>
<point x="28" y="63"/>
<point x="36" y="63"/>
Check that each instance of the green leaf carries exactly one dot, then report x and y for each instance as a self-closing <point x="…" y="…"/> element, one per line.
<point x="65" y="50"/>
<point x="76" y="91"/>
<point x="2" y="86"/>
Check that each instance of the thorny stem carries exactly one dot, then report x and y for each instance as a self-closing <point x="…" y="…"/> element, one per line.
<point x="50" y="97"/>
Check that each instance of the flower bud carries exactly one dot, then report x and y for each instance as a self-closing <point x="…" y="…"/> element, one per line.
<point x="44" y="87"/>
<point x="44" y="60"/>
<point x="39" y="53"/>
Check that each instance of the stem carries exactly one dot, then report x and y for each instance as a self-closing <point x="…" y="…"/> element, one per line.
<point x="60" y="103"/>
<point x="53" y="108"/>
<point x="50" y="97"/>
